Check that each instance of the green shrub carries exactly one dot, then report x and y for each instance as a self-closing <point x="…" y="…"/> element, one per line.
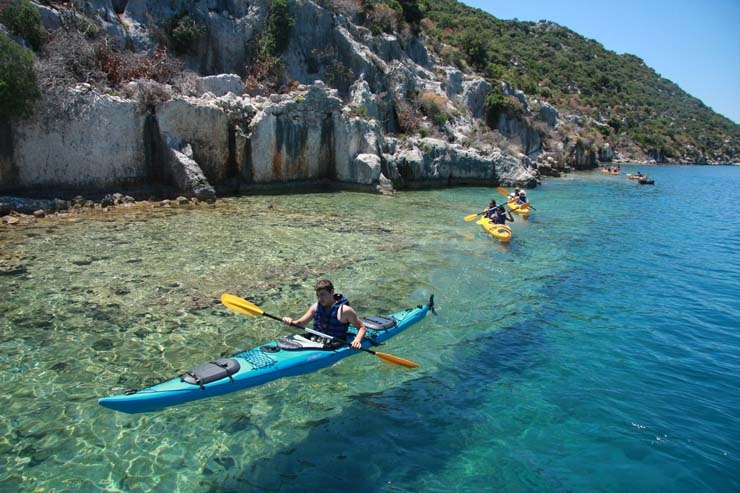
<point x="440" y="119"/>
<point x="604" y="130"/>
<point x="435" y="107"/>
<point x="276" y="36"/>
<point x="413" y="12"/>
<point x="381" y="18"/>
<point x="545" y="92"/>
<point x="24" y="20"/>
<point x="185" y="34"/>
<point x="18" y="89"/>
<point x="475" y="44"/>
<point x="495" y="103"/>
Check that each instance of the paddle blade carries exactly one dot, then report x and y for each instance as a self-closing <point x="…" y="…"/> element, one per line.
<point x="503" y="191"/>
<point x="241" y="305"/>
<point x="395" y="360"/>
<point x="470" y="217"/>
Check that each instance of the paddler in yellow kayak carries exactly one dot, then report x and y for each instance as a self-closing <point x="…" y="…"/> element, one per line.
<point x="522" y="199"/>
<point x="501" y="216"/>
<point x="491" y="211"/>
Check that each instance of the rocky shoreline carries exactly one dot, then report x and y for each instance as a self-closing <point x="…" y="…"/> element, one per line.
<point x="23" y="211"/>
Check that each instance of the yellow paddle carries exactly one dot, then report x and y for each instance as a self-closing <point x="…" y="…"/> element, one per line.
<point x="471" y="217"/>
<point x="247" y="308"/>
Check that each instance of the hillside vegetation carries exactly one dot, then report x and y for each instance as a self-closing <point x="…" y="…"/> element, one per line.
<point x="641" y="112"/>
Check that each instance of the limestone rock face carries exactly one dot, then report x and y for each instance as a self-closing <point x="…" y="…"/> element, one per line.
<point x="308" y="136"/>
<point x="226" y="25"/>
<point x="520" y="132"/>
<point x="214" y="134"/>
<point x="292" y="139"/>
<point x="202" y="124"/>
<point x="95" y="143"/>
<point x="354" y="137"/>
<point x="435" y="160"/>
<point x="606" y="153"/>
<point x="363" y="101"/>
<point x="220" y="85"/>
<point x="366" y="169"/>
<point x="548" y="114"/>
<point x="581" y="157"/>
<point x="474" y="96"/>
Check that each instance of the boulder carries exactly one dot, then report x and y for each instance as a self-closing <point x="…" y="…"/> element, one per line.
<point x="188" y="176"/>
<point x="204" y="125"/>
<point x="354" y="137"/>
<point x="474" y="96"/>
<point x="548" y="114"/>
<point x="220" y="85"/>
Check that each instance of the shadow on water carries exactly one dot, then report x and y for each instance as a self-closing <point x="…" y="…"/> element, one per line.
<point x="437" y="432"/>
<point x="401" y="438"/>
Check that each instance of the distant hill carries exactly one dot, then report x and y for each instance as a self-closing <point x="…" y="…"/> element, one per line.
<point x="637" y="111"/>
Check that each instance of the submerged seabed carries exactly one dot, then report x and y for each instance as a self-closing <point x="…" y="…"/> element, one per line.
<point x="595" y="352"/>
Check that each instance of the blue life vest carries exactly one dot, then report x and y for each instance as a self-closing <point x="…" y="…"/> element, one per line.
<point x="325" y="319"/>
<point x="499" y="218"/>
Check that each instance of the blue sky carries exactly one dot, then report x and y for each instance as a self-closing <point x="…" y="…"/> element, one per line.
<point x="694" y="43"/>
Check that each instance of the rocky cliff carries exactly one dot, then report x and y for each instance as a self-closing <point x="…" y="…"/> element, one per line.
<point x="342" y="115"/>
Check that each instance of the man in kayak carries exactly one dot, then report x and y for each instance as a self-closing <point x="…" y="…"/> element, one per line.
<point x="522" y="198"/>
<point x="502" y="215"/>
<point x="331" y="314"/>
<point x="489" y="213"/>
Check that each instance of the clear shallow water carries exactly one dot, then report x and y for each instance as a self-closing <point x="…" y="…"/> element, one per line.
<point x="599" y="351"/>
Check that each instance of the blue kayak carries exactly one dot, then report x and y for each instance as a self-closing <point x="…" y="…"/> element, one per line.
<point x="284" y="357"/>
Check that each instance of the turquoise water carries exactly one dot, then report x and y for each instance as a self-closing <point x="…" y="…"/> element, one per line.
<point x="598" y="351"/>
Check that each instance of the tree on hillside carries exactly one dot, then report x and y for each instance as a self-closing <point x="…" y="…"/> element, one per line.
<point x="24" y="20"/>
<point x="18" y="89"/>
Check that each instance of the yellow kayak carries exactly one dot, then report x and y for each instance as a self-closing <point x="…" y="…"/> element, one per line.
<point x="522" y="209"/>
<point x="499" y="231"/>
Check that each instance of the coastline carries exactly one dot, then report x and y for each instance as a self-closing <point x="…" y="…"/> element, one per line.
<point x="25" y="208"/>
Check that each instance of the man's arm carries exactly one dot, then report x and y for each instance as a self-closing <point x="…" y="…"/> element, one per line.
<point x="305" y="318"/>
<point x="350" y="315"/>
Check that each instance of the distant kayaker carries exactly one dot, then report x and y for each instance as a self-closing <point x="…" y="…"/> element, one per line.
<point x="331" y="314"/>
<point x="502" y="215"/>
<point x="522" y="197"/>
<point x="489" y="213"/>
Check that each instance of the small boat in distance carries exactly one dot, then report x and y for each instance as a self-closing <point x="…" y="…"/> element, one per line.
<point x="611" y="170"/>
